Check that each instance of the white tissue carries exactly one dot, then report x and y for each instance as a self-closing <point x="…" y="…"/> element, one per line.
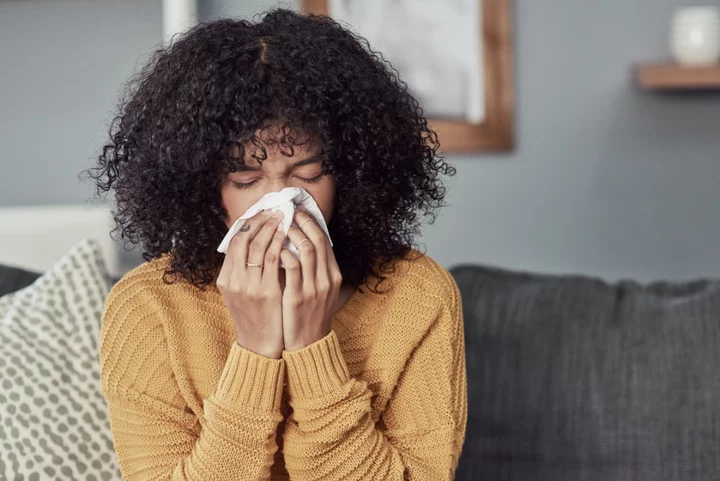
<point x="286" y="201"/>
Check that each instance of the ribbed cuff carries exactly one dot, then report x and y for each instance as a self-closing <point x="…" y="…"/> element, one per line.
<point x="316" y="369"/>
<point x="251" y="380"/>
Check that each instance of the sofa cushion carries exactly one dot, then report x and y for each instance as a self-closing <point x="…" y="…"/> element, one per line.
<point x="53" y="422"/>
<point x="571" y="378"/>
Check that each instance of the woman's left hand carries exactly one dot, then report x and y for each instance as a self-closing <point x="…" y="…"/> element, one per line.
<point x="312" y="284"/>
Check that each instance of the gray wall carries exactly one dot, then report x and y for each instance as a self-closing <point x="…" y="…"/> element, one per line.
<point x="61" y="63"/>
<point x="605" y="180"/>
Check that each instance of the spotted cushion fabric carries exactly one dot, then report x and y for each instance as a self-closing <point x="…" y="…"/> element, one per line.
<point x="53" y="421"/>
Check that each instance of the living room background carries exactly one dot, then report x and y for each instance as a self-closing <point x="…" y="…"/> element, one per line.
<point x="605" y="179"/>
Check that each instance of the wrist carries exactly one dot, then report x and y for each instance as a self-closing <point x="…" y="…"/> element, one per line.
<point x="316" y="369"/>
<point x="306" y="341"/>
<point x="261" y="351"/>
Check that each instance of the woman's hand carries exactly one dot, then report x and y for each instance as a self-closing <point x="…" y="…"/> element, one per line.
<point x="253" y="294"/>
<point x="312" y="284"/>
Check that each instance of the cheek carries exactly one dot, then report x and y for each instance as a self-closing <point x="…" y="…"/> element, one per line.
<point x="235" y="203"/>
<point x="325" y="198"/>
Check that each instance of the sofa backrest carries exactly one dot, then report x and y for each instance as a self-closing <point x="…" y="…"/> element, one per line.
<point x="572" y="378"/>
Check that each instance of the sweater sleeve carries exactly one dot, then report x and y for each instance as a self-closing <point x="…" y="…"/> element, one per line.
<point x="331" y="435"/>
<point x="156" y="436"/>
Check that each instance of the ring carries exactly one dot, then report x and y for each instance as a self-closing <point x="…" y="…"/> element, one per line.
<point x="250" y="264"/>
<point x="304" y="240"/>
<point x="304" y="224"/>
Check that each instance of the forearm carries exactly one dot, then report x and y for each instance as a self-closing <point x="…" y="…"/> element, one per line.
<point x="237" y="440"/>
<point x="332" y="435"/>
<point x="340" y="444"/>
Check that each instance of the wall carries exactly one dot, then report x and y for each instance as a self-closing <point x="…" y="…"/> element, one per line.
<point x="605" y="180"/>
<point x="61" y="64"/>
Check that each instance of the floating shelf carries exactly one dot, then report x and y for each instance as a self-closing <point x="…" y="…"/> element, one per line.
<point x="677" y="77"/>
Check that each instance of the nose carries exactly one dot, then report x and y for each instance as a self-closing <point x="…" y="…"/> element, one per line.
<point x="276" y="184"/>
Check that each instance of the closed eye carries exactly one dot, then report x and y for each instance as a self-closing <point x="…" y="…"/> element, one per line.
<point x="247" y="185"/>
<point x="314" y="180"/>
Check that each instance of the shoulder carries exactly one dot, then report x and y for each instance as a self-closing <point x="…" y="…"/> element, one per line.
<point x="148" y="282"/>
<point x="420" y="299"/>
<point x="143" y="293"/>
<point x="132" y="302"/>
<point x="138" y="303"/>
<point x="130" y="323"/>
<point x="418" y="274"/>
<point x="139" y="285"/>
<point x="422" y="290"/>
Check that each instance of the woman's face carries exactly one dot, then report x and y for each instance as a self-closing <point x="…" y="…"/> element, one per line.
<point x="241" y="189"/>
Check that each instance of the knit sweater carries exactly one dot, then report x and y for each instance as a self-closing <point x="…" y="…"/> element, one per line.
<point x="382" y="397"/>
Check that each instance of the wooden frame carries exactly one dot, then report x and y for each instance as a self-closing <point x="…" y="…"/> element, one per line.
<point x="497" y="132"/>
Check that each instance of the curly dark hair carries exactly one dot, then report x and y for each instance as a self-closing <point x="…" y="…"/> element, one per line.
<point x="207" y="93"/>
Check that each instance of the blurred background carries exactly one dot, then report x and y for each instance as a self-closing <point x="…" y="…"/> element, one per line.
<point x="605" y="178"/>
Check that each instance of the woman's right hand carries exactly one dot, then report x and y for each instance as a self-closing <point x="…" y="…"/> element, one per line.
<point x="253" y="294"/>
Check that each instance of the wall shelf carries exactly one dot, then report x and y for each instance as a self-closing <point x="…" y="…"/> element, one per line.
<point x="676" y="77"/>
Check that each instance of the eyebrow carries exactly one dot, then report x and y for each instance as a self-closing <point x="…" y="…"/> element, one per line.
<point x="310" y="160"/>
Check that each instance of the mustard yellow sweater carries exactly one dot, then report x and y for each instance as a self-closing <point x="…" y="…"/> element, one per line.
<point x="382" y="397"/>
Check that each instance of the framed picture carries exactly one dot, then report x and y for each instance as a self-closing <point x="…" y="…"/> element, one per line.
<point x="455" y="55"/>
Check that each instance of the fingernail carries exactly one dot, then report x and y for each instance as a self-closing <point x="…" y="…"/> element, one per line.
<point x="278" y="214"/>
<point x="280" y="226"/>
<point x="265" y="213"/>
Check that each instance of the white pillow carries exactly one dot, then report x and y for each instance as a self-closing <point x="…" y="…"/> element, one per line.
<point x="53" y="416"/>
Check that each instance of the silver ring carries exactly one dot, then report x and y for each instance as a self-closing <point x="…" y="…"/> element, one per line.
<point x="250" y="264"/>
<point x="304" y="224"/>
<point x="304" y="240"/>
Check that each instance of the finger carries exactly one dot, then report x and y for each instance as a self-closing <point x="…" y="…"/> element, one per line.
<point x="271" y="272"/>
<point x="293" y="275"/>
<point x="259" y="246"/>
<point x="239" y="245"/>
<point x="309" y="226"/>
<point x="307" y="255"/>
<point x="261" y="240"/>
<point x="333" y="267"/>
<point x="223" y="277"/>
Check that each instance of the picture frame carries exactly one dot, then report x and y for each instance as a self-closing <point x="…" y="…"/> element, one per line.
<point x="496" y="130"/>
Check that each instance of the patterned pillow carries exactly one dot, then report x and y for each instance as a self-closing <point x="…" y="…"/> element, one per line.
<point x="53" y="421"/>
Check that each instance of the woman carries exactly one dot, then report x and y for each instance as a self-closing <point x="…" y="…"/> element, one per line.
<point x="346" y="364"/>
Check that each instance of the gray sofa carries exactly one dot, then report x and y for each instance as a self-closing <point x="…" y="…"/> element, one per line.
<point x="13" y="279"/>
<point x="575" y="379"/>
